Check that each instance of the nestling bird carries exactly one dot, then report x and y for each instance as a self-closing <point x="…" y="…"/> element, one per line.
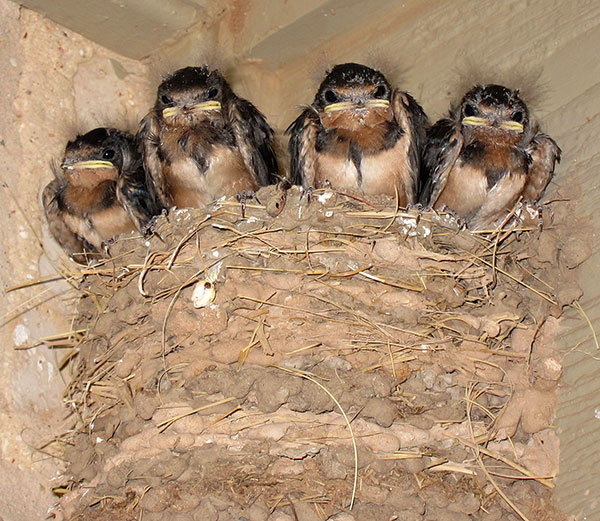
<point x="201" y="141"/>
<point x="485" y="156"/>
<point x="359" y="133"/>
<point x="99" y="192"/>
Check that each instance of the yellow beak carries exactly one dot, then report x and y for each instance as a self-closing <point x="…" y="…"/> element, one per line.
<point x="199" y="107"/>
<point x="377" y="103"/>
<point x="342" y="105"/>
<point x="475" y="121"/>
<point x="170" y="111"/>
<point x="483" y="122"/>
<point x="345" y="105"/>
<point x="206" y="105"/>
<point x="512" y="125"/>
<point x="93" y="163"/>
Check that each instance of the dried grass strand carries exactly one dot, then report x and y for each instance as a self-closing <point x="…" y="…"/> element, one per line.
<point x="306" y="376"/>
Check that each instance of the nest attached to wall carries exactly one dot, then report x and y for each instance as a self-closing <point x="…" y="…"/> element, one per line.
<point x="342" y="358"/>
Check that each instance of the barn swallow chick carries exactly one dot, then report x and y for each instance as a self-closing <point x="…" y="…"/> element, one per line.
<point x="361" y="134"/>
<point x="201" y="141"/>
<point x="485" y="156"/>
<point x="99" y="192"/>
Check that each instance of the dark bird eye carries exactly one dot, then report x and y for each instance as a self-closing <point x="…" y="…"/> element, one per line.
<point x="212" y="93"/>
<point x="517" y="116"/>
<point x="166" y="99"/>
<point x="381" y="91"/>
<point x="469" y="110"/>
<point x="108" y="154"/>
<point x="330" y="96"/>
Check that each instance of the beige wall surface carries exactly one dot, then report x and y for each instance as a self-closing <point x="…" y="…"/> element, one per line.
<point x="55" y="83"/>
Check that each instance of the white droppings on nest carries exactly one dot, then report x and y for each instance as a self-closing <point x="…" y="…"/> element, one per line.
<point x="532" y="211"/>
<point x="410" y="231"/>
<point x="50" y="370"/>
<point x="553" y="365"/>
<point x="329" y="213"/>
<point x="325" y="196"/>
<point x="410" y="228"/>
<point x="21" y="335"/>
<point x="252" y="219"/>
<point x="181" y="214"/>
<point x="218" y="204"/>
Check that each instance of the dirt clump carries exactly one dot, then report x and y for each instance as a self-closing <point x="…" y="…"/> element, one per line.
<point x="348" y="360"/>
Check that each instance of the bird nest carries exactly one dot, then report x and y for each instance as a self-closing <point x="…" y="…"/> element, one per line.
<point x="342" y="358"/>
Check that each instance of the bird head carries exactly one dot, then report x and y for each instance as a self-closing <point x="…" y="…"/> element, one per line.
<point x="190" y="95"/>
<point x="97" y="156"/>
<point x="353" y="96"/>
<point x="493" y="113"/>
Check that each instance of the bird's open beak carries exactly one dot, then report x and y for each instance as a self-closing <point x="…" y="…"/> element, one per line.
<point x="512" y="125"/>
<point x="377" y="103"/>
<point x="93" y="163"/>
<point x="346" y="105"/>
<point x="198" y="107"/>
<point x="477" y="122"/>
<point x="170" y="111"/>
<point x="342" y="105"/>
<point x="483" y="122"/>
<point x="206" y="105"/>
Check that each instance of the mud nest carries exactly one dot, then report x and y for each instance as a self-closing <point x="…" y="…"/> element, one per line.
<point x="357" y="362"/>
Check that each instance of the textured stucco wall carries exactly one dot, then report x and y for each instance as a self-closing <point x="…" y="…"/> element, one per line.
<point x="53" y="84"/>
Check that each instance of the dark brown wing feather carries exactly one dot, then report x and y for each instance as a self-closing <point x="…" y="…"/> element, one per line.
<point x="302" y="147"/>
<point x="149" y="141"/>
<point x="254" y="138"/>
<point x="544" y="153"/>
<point x="413" y="121"/>
<point x="137" y="198"/>
<point x="443" y="145"/>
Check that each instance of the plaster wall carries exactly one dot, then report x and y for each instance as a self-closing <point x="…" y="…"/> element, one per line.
<point x="53" y="84"/>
